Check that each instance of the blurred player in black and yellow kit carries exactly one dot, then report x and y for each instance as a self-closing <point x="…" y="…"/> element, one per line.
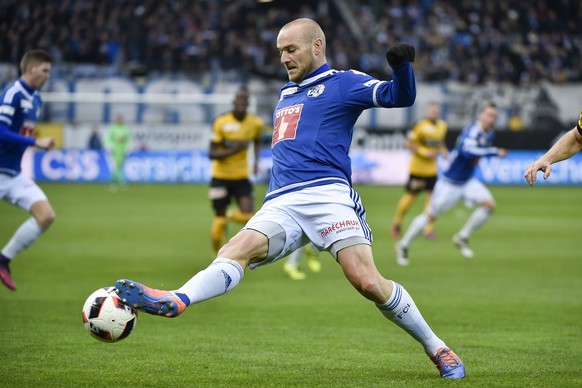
<point x="232" y="134"/>
<point x="426" y="140"/>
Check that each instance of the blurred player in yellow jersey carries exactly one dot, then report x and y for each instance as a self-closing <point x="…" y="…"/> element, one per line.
<point x="232" y="134"/>
<point x="426" y="140"/>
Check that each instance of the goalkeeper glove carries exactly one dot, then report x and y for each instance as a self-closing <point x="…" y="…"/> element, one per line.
<point x="396" y="55"/>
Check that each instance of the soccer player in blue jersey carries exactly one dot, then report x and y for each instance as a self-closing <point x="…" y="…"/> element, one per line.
<point x="19" y="110"/>
<point x="458" y="182"/>
<point x="310" y="197"/>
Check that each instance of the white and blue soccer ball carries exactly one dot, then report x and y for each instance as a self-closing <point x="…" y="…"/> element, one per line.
<point x="106" y="317"/>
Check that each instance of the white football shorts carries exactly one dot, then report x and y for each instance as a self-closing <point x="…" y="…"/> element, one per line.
<point x="446" y="195"/>
<point x="20" y="191"/>
<point x="322" y="214"/>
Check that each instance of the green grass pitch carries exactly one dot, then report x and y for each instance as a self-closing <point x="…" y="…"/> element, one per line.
<point x="513" y="313"/>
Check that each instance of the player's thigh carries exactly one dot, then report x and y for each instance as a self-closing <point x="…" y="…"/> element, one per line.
<point x="283" y="233"/>
<point x="475" y="193"/>
<point x="21" y="191"/>
<point x="246" y="247"/>
<point x="444" y="196"/>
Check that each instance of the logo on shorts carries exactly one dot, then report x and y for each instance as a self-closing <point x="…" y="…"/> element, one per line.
<point x="339" y="227"/>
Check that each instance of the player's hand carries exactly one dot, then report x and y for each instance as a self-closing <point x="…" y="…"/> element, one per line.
<point x="396" y="55"/>
<point x="501" y="152"/>
<point x="532" y="170"/>
<point x="46" y="142"/>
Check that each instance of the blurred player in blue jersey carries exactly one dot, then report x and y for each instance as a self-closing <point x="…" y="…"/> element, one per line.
<point x="566" y="147"/>
<point x="19" y="110"/>
<point x="458" y="182"/>
<point x="310" y="197"/>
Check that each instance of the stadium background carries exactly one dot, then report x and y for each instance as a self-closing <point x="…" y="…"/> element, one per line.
<point x="514" y="313"/>
<point x="170" y="67"/>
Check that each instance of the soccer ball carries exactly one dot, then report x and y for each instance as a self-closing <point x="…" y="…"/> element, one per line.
<point x="106" y="317"/>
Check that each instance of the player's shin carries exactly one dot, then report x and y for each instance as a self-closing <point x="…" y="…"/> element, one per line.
<point x="221" y="276"/>
<point x="401" y="309"/>
<point x="25" y="235"/>
<point x="415" y="229"/>
<point x="477" y="219"/>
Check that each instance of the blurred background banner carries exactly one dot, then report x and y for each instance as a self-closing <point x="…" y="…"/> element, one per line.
<point x="374" y="167"/>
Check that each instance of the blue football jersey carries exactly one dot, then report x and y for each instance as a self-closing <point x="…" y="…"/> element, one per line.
<point x="314" y="120"/>
<point x="19" y="111"/>
<point x="472" y="144"/>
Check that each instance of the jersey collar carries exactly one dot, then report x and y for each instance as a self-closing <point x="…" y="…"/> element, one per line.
<point x="321" y="72"/>
<point x="26" y="87"/>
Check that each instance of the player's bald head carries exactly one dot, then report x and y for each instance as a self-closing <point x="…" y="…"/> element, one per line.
<point x="301" y="45"/>
<point x="305" y="29"/>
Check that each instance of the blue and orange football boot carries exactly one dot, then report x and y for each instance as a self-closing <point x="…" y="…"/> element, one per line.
<point x="152" y="301"/>
<point x="449" y="364"/>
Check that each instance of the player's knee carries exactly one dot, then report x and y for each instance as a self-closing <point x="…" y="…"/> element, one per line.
<point x="369" y="286"/>
<point x="245" y="247"/>
<point x="489" y="205"/>
<point x="44" y="215"/>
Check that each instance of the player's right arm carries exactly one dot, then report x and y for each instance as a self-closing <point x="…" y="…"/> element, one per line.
<point x="567" y="146"/>
<point x="220" y="147"/>
<point x="7" y="112"/>
<point x="225" y="149"/>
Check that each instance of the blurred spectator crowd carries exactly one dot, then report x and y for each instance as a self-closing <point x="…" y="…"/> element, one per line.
<point x="472" y="41"/>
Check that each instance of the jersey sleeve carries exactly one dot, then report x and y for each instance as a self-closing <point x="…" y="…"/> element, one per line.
<point x="363" y="91"/>
<point x="7" y="111"/>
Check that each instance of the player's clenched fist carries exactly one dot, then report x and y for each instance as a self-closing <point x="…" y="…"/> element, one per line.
<point x="399" y="53"/>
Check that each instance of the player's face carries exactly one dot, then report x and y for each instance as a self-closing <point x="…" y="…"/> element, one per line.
<point x="241" y="102"/>
<point x="488" y="117"/>
<point x="433" y="112"/>
<point x="296" y="54"/>
<point x="39" y="74"/>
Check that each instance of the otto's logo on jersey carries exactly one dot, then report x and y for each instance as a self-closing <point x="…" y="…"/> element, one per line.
<point x="316" y="91"/>
<point x="28" y="129"/>
<point x="340" y="226"/>
<point x="286" y="121"/>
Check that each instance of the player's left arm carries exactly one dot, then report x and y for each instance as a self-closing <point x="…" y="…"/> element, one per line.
<point x="401" y="91"/>
<point x="364" y="91"/>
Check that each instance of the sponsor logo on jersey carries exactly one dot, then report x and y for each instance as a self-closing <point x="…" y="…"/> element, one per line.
<point x="232" y="127"/>
<point x="287" y="92"/>
<point x="25" y="105"/>
<point x="339" y="227"/>
<point x="28" y="128"/>
<point x="316" y="91"/>
<point x="286" y="122"/>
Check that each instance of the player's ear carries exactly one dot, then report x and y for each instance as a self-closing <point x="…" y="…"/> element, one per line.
<point x="317" y="46"/>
